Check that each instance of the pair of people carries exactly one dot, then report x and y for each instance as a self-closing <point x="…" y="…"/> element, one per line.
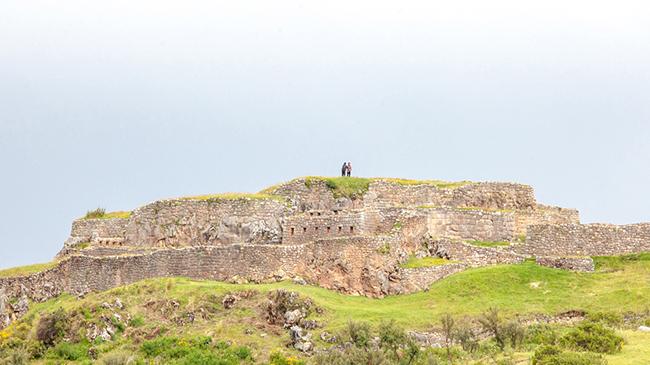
<point x="346" y="169"/>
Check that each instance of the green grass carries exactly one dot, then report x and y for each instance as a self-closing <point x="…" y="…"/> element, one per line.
<point x="416" y="263"/>
<point x="355" y="187"/>
<point x="489" y="243"/>
<point x="349" y="187"/>
<point x="236" y="196"/>
<point x="120" y="214"/>
<point x="635" y="351"/>
<point x="440" y="184"/>
<point x="618" y="262"/>
<point x="26" y="270"/>
<point x="100" y="213"/>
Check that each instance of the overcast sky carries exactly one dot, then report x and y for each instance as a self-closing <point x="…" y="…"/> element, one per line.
<point x="119" y="103"/>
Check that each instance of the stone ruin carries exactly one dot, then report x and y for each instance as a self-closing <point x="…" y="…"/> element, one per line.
<point x="303" y="230"/>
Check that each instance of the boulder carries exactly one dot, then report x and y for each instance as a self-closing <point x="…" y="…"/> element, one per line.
<point x="293" y="317"/>
<point x="301" y="341"/>
<point x="22" y="306"/>
<point x="644" y="329"/>
<point x="229" y="301"/>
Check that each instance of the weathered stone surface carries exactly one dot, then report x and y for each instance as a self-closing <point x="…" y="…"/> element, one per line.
<point x="586" y="239"/>
<point x="3" y="301"/>
<point x="585" y="264"/>
<point x="473" y="255"/>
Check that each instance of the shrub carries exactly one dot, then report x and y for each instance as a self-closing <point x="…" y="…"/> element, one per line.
<point x="243" y="353"/>
<point x="16" y="356"/>
<point x="465" y="336"/>
<point x="51" y="327"/>
<point x="119" y="358"/>
<point x="447" y="322"/>
<point x="158" y="346"/>
<point x="204" y="357"/>
<point x="607" y="318"/>
<point x="136" y="321"/>
<point x="358" y="333"/>
<point x="69" y="351"/>
<point x="392" y="337"/>
<point x="514" y="333"/>
<point x="593" y="337"/>
<point x="492" y="323"/>
<point x="541" y="334"/>
<point x="277" y="358"/>
<point x="553" y="355"/>
<point x="97" y="213"/>
<point x="195" y="350"/>
<point x="352" y="355"/>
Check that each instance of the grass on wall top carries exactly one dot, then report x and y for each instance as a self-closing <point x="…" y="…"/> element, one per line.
<point x="356" y="187"/>
<point x="26" y="270"/>
<point x="417" y="263"/>
<point x="236" y="196"/>
<point x="489" y="243"/>
<point x="100" y="213"/>
<point x="440" y="184"/>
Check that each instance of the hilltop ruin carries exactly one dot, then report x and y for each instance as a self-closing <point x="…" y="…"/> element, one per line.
<point x="347" y="235"/>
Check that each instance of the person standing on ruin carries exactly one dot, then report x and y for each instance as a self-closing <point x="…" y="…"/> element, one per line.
<point x="344" y="169"/>
<point x="349" y="169"/>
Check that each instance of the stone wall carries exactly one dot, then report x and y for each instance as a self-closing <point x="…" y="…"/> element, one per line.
<point x="544" y="214"/>
<point x="586" y="239"/>
<point x="307" y="227"/>
<point x="313" y="194"/>
<point x="585" y="264"/>
<point x="422" y="278"/>
<point x="100" y="231"/>
<point x="82" y="273"/>
<point x="461" y="224"/>
<point x="473" y="255"/>
<point x="324" y="224"/>
<point x="173" y="223"/>
<point x="486" y="195"/>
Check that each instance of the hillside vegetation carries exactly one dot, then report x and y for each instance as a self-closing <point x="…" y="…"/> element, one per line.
<point x="162" y="319"/>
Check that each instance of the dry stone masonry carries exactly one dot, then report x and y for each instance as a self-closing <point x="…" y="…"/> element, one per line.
<point x="355" y="242"/>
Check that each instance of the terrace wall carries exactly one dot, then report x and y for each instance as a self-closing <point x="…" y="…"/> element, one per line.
<point x="486" y="195"/>
<point x="460" y="224"/>
<point x="586" y="239"/>
<point x="174" y="223"/>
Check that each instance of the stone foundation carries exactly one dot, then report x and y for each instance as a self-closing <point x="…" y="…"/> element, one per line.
<point x="585" y="264"/>
<point x="587" y="239"/>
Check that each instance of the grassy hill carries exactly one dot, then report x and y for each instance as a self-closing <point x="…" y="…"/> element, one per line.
<point x="179" y="308"/>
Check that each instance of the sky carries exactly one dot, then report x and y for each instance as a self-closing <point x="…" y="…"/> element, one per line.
<point x="116" y="104"/>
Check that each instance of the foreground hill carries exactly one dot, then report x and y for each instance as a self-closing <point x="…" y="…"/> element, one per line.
<point x="163" y="320"/>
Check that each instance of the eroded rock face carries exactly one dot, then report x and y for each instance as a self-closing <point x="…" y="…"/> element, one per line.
<point x="242" y="230"/>
<point x="5" y="319"/>
<point x="3" y="301"/>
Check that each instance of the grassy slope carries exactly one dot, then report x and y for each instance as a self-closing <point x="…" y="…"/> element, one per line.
<point x="26" y="270"/>
<point x="620" y="286"/>
<point x="468" y="293"/>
